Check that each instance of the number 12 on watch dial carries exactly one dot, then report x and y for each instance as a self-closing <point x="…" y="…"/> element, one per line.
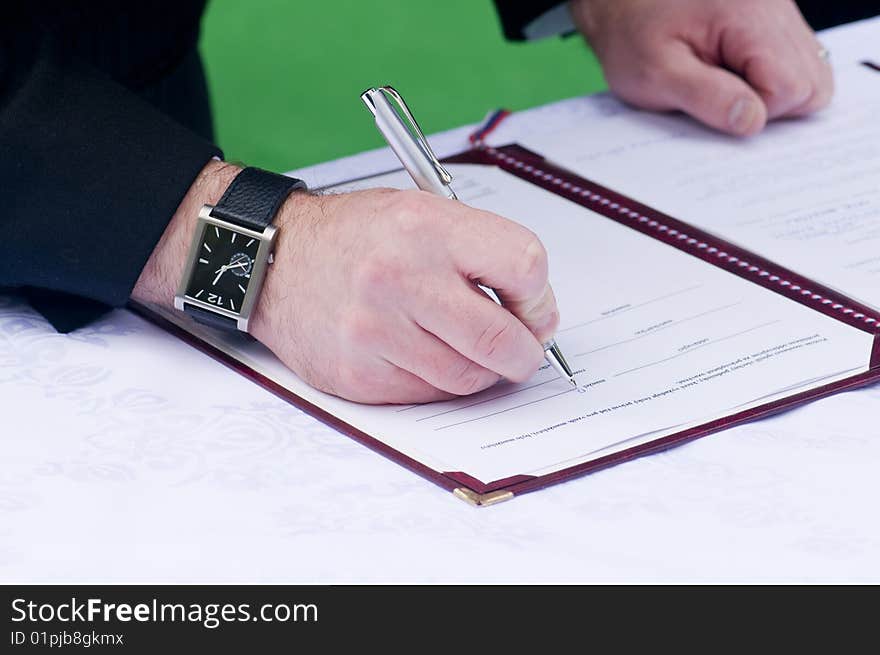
<point x="222" y="272"/>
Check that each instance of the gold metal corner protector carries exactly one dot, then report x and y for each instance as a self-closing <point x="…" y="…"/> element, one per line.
<point x="479" y="500"/>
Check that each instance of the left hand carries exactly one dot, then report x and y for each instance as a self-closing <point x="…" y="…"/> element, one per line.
<point x="731" y="65"/>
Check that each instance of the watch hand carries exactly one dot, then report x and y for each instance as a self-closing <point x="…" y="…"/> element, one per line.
<point x="220" y="271"/>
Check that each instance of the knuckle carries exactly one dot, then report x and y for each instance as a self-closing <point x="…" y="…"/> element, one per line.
<point x="496" y="338"/>
<point x="357" y="329"/>
<point x="787" y="87"/>
<point x="466" y="378"/>
<point x="551" y="324"/>
<point x="375" y="275"/>
<point x="411" y="211"/>
<point x="534" y="263"/>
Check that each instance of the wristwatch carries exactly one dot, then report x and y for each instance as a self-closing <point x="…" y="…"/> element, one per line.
<point x="232" y="248"/>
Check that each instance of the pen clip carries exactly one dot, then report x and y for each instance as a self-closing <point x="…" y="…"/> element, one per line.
<point x="411" y="125"/>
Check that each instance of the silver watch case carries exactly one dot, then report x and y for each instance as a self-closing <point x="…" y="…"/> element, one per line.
<point x="258" y="274"/>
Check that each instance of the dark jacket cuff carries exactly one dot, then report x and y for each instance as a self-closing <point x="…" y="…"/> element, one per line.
<point x="91" y="177"/>
<point x="515" y="15"/>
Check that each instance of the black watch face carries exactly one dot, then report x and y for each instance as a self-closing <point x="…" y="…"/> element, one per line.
<point x="223" y="269"/>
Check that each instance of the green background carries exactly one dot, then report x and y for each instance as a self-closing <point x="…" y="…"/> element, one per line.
<point x="285" y="76"/>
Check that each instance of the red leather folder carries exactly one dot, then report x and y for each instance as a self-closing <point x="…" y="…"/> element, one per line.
<point x="637" y="216"/>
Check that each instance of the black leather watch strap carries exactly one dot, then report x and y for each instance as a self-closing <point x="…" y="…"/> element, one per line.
<point x="209" y="318"/>
<point x="254" y="197"/>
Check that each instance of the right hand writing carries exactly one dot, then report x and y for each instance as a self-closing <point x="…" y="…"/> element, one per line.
<point x="373" y="296"/>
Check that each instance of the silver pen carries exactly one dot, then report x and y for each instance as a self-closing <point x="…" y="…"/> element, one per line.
<point x="412" y="149"/>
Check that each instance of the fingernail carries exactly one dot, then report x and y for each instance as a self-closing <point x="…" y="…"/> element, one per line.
<point x="741" y="115"/>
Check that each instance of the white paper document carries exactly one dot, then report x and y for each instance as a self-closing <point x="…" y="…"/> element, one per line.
<point x="659" y="338"/>
<point x="804" y="193"/>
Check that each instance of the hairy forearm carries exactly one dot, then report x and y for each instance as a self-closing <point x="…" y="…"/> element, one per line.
<point x="159" y="279"/>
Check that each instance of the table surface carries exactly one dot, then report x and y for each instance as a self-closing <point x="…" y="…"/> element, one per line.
<point x="127" y="456"/>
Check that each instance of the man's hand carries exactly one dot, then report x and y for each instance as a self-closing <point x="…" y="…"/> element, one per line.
<point x="731" y="65"/>
<point x="373" y="295"/>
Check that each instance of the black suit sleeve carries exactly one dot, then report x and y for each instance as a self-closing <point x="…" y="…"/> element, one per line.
<point x="90" y="175"/>
<point x="515" y="15"/>
<point x="821" y="13"/>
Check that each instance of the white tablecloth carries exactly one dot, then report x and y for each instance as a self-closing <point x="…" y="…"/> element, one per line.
<point x="127" y="456"/>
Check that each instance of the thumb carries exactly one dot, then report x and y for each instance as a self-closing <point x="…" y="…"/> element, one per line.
<point x="712" y="95"/>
